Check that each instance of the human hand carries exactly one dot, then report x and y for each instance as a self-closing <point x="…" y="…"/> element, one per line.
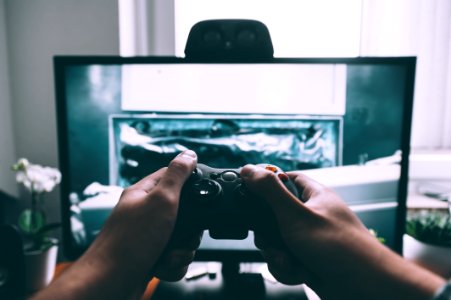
<point x="141" y="224"/>
<point x="328" y="247"/>
<point x="128" y="250"/>
<point x="174" y="262"/>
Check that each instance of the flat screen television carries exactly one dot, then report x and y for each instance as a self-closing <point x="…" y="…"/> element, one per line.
<point x="343" y="121"/>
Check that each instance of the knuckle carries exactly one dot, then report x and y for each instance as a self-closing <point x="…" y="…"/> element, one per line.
<point x="180" y="166"/>
<point x="171" y="182"/>
<point x="127" y="193"/>
<point x="268" y="178"/>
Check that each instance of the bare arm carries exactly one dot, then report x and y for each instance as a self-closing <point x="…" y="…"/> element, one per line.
<point x="124" y="256"/>
<point x="330" y="249"/>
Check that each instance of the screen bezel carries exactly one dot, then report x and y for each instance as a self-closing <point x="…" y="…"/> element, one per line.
<point x="62" y="62"/>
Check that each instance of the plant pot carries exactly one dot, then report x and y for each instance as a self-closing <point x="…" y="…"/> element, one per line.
<point x="432" y="257"/>
<point x="39" y="268"/>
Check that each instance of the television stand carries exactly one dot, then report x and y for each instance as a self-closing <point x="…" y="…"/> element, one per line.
<point x="229" y="280"/>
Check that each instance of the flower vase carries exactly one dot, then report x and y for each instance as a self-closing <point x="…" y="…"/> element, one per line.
<point x="40" y="267"/>
<point x="434" y="258"/>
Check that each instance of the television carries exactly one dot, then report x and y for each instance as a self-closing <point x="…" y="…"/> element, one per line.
<point x="343" y="121"/>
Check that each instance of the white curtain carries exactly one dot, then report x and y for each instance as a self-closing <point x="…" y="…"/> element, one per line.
<point x="432" y="110"/>
<point x="146" y="27"/>
<point x="419" y="28"/>
<point x="7" y="148"/>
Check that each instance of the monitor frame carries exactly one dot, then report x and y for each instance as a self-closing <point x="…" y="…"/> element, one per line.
<point x="62" y="62"/>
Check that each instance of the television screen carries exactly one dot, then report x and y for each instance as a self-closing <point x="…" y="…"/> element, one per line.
<point x="344" y="122"/>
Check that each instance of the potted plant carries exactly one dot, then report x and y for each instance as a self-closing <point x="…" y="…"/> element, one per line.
<point x="428" y="240"/>
<point x="40" y="250"/>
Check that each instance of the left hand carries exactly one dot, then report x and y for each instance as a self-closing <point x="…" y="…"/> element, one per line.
<point x="125" y="253"/>
<point x="173" y="265"/>
<point x="141" y="224"/>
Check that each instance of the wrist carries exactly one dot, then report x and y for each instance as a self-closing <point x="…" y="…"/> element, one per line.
<point x="395" y="277"/>
<point x="375" y="272"/>
<point x="444" y="292"/>
<point x="116" y="263"/>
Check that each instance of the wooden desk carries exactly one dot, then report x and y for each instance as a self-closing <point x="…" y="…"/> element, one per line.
<point x="61" y="267"/>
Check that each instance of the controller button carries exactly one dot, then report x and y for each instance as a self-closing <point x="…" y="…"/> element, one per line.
<point x="241" y="190"/>
<point x="229" y="176"/>
<point x="214" y="176"/>
<point x="206" y="189"/>
<point x="283" y="177"/>
<point x="271" y="168"/>
<point x="196" y="174"/>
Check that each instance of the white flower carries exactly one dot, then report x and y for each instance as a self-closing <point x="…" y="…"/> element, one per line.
<point x="36" y="178"/>
<point x="23" y="162"/>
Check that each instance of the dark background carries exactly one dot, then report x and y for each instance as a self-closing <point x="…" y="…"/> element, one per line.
<point x="374" y="111"/>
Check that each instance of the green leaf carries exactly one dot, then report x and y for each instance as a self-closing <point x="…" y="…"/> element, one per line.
<point x="430" y="226"/>
<point x="31" y="221"/>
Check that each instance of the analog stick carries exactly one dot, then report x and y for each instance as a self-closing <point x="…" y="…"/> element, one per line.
<point x="206" y="189"/>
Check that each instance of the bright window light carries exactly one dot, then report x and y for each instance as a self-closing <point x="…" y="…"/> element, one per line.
<point x="298" y="28"/>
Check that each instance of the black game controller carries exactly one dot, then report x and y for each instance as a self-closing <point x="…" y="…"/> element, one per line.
<point x="218" y="200"/>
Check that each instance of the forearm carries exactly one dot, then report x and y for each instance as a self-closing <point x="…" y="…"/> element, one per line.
<point x="379" y="273"/>
<point x="400" y="279"/>
<point x="119" y="262"/>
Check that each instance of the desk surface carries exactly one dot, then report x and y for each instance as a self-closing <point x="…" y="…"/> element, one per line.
<point x="417" y="201"/>
<point x="251" y="283"/>
<point x="247" y="286"/>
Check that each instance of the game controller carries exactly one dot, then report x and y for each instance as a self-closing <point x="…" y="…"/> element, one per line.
<point x="218" y="201"/>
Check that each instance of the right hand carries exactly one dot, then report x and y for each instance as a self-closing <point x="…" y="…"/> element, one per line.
<point x="329" y="247"/>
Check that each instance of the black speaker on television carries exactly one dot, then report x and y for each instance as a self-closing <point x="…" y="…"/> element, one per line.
<point x="229" y="40"/>
<point x="12" y="265"/>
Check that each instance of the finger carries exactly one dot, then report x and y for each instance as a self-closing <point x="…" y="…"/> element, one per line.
<point x="285" y="268"/>
<point x="267" y="185"/>
<point x="176" y="258"/>
<point x="170" y="275"/>
<point x="173" y="265"/>
<point x="194" y="242"/>
<point x="149" y="182"/>
<point x="260" y="242"/>
<point x="281" y="264"/>
<point x="306" y="186"/>
<point x="188" y="241"/>
<point x="178" y="171"/>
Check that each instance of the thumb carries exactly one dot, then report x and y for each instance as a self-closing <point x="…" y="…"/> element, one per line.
<point x="266" y="185"/>
<point x="179" y="170"/>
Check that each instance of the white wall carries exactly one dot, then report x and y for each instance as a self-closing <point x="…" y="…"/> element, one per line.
<point x="36" y="31"/>
<point x="7" y="151"/>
